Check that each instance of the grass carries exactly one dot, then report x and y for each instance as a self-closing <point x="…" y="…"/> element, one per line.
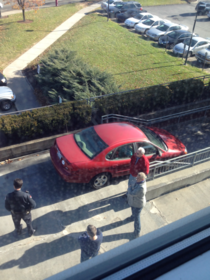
<point x="134" y="60"/>
<point x="16" y="38"/>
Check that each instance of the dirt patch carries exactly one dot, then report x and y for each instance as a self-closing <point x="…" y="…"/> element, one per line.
<point x="26" y="21"/>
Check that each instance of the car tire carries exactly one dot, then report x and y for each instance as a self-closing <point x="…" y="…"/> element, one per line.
<point x="6" y="105"/>
<point x="146" y="31"/>
<point x="189" y="54"/>
<point x="100" y="181"/>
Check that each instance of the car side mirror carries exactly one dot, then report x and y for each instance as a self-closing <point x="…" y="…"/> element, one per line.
<point x="159" y="152"/>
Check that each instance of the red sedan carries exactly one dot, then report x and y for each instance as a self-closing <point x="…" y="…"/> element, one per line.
<point x="98" y="153"/>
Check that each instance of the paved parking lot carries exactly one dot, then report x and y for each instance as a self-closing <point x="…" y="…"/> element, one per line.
<point x="183" y="14"/>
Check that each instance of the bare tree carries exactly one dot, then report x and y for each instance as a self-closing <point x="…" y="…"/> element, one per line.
<point x="25" y="4"/>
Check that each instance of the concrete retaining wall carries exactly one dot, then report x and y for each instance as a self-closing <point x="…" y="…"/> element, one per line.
<point x="177" y="180"/>
<point x="29" y="147"/>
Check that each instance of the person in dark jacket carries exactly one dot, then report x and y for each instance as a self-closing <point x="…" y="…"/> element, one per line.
<point x="139" y="163"/>
<point x="20" y="204"/>
<point x="90" y="242"/>
<point x="137" y="200"/>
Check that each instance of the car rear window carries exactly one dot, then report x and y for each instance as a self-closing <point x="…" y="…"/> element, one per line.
<point x="187" y="41"/>
<point x="89" y="142"/>
<point x="153" y="137"/>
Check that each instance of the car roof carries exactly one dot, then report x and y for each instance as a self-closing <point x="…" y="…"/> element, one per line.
<point x="113" y="133"/>
<point x="169" y="23"/>
<point x="182" y="31"/>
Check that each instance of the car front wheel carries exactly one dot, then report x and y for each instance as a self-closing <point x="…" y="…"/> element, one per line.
<point x="100" y="181"/>
<point x="6" y="105"/>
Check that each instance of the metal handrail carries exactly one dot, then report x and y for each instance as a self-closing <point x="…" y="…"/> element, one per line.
<point x="158" y="169"/>
<point x="155" y="120"/>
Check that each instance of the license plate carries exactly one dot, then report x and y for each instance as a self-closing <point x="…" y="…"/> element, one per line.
<point x="59" y="154"/>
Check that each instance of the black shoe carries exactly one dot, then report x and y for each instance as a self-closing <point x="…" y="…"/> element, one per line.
<point x="31" y="233"/>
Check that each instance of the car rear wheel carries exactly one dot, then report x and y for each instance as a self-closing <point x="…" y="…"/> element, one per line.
<point x="100" y="181"/>
<point x="6" y="105"/>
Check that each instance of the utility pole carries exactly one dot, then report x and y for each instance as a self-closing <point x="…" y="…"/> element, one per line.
<point x="191" y="37"/>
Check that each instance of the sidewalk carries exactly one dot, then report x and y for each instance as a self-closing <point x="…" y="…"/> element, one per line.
<point x="64" y="211"/>
<point x="16" y="81"/>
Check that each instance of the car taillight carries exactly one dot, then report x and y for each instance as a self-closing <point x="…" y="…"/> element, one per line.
<point x="140" y="9"/>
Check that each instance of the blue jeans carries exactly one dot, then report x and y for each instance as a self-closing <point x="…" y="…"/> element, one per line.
<point x="85" y="257"/>
<point x="136" y="216"/>
<point x="131" y="181"/>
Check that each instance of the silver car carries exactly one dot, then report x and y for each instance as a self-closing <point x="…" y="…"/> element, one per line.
<point x="197" y="44"/>
<point x="7" y="98"/>
<point x="131" y="22"/>
<point x="203" y="55"/>
<point x="156" y="32"/>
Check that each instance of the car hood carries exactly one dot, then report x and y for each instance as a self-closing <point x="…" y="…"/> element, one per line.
<point x="170" y="140"/>
<point x="70" y="150"/>
<point x="155" y="31"/>
<point x="181" y="47"/>
<point x="6" y="92"/>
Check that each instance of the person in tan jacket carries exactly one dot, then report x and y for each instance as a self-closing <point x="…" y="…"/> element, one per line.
<point x="137" y="200"/>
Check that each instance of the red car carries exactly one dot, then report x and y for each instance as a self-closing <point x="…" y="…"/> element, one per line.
<point x="98" y="153"/>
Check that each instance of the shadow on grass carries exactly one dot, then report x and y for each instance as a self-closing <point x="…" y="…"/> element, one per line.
<point x="152" y="68"/>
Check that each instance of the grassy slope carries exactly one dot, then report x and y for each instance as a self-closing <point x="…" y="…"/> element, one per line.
<point x="134" y="60"/>
<point x="16" y="38"/>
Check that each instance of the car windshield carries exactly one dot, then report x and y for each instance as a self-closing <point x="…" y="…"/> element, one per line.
<point x="138" y="16"/>
<point x="148" y="22"/>
<point x="162" y="27"/>
<point x="187" y="42"/>
<point x="153" y="137"/>
<point x="89" y="142"/>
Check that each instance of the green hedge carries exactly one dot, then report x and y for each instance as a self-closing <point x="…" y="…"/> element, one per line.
<point x="150" y="99"/>
<point x="46" y="121"/>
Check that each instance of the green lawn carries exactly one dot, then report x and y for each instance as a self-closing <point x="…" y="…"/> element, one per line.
<point x="16" y="38"/>
<point x="132" y="59"/>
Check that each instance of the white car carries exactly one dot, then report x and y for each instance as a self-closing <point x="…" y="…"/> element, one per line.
<point x="131" y="22"/>
<point x="145" y="25"/>
<point x="104" y="5"/>
<point x="156" y="32"/>
<point x="7" y="98"/>
<point x="197" y="44"/>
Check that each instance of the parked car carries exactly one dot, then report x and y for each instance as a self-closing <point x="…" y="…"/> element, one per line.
<point x="156" y="32"/>
<point x="197" y="44"/>
<point x="208" y="14"/>
<point x="97" y="153"/>
<point x="203" y="7"/>
<point x="174" y="37"/>
<point x="145" y="25"/>
<point x="131" y="22"/>
<point x="110" y="3"/>
<point x="121" y="17"/>
<point x="203" y="55"/>
<point x="3" y="80"/>
<point x="7" y="98"/>
<point x="124" y="7"/>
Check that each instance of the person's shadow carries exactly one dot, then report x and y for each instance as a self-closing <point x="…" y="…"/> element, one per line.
<point x="61" y="246"/>
<point x="56" y="221"/>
